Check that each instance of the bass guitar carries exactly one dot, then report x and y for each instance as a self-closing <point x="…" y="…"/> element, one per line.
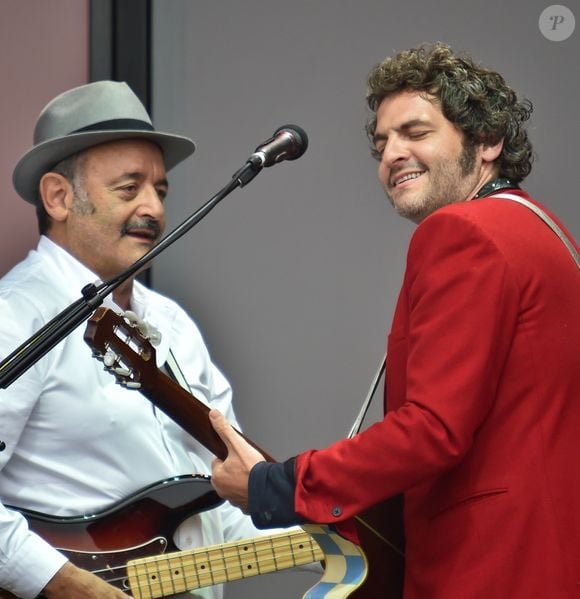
<point x="130" y="546"/>
<point x="120" y="343"/>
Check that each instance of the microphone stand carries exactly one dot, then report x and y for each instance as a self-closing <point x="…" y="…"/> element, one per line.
<point x="41" y="342"/>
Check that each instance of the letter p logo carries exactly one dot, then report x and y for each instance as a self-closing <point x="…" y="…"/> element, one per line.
<point x="557" y="23"/>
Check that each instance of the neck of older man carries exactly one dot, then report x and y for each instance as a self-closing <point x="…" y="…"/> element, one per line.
<point x="122" y="295"/>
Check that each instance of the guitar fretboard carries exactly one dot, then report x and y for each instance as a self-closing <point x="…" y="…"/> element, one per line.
<point x="161" y="576"/>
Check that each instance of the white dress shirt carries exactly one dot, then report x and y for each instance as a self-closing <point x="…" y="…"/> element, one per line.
<point x="75" y="441"/>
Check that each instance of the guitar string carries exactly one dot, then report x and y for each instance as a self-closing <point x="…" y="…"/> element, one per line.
<point x="200" y="578"/>
<point x="381" y="370"/>
<point x="278" y="554"/>
<point x="379" y="535"/>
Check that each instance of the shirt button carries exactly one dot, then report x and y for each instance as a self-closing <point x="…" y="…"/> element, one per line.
<point x="2" y="446"/>
<point x="336" y="511"/>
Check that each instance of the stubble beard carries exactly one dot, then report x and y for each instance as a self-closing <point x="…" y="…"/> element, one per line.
<point x="447" y="187"/>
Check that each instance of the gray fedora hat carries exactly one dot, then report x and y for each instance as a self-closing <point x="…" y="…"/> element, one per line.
<point x="86" y="116"/>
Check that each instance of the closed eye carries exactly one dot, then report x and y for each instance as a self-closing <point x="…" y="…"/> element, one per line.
<point x="417" y="134"/>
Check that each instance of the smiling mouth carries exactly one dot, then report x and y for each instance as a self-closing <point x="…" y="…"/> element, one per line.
<point x="407" y="177"/>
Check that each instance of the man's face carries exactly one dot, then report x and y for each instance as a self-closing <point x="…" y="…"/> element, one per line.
<point x="424" y="160"/>
<point x="117" y="213"/>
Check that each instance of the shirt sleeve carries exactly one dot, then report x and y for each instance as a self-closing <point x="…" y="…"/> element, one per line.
<point x="27" y="562"/>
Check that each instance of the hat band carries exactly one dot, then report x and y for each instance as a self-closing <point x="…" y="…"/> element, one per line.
<point x="117" y="125"/>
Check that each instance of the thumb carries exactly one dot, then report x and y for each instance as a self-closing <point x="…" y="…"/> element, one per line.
<point x="222" y="427"/>
<point x="236" y="444"/>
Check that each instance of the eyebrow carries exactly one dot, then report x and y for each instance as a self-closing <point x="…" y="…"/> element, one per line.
<point x="403" y="127"/>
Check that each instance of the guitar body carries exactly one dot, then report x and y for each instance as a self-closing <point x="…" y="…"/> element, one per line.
<point x="381" y="533"/>
<point x="141" y="525"/>
<point x="130" y="545"/>
<point x="345" y="566"/>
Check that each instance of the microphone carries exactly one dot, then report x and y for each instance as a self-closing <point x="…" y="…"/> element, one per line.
<point x="288" y="143"/>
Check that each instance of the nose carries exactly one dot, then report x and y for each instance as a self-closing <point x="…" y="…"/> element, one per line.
<point x="151" y="204"/>
<point x="394" y="152"/>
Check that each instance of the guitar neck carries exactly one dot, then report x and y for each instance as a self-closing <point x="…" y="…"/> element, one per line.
<point x="165" y="575"/>
<point x="189" y="412"/>
<point x="108" y="333"/>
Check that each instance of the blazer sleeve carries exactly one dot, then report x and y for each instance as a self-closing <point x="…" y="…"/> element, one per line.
<point x="456" y="318"/>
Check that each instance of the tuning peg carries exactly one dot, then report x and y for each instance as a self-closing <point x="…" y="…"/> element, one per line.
<point x="109" y="359"/>
<point x="131" y="384"/>
<point x="147" y="330"/>
<point x="154" y="337"/>
<point x="143" y="328"/>
<point x="123" y="372"/>
<point x="131" y="318"/>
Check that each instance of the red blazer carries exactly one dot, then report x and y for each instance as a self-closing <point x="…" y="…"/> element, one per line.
<point x="483" y="429"/>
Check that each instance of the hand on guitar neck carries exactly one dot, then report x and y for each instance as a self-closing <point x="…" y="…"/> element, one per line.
<point x="230" y="476"/>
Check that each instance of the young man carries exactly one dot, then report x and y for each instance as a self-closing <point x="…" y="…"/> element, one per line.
<point x="74" y="442"/>
<point x="483" y="370"/>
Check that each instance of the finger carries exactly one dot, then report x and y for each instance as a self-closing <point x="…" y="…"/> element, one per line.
<point x="222" y="427"/>
<point x="236" y="445"/>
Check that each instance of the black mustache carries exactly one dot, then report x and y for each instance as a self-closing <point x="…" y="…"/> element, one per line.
<point x="148" y="224"/>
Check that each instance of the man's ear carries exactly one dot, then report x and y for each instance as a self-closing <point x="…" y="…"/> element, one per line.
<point x="490" y="153"/>
<point x="56" y="193"/>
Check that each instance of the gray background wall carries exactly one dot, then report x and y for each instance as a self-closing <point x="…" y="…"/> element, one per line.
<point x="293" y="278"/>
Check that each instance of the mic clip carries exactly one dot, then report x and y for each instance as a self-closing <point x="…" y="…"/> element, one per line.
<point x="252" y="167"/>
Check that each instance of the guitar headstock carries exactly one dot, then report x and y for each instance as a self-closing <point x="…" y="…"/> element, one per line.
<point x="124" y="344"/>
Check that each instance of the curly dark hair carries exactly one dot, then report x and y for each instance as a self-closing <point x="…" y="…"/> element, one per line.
<point x="475" y="99"/>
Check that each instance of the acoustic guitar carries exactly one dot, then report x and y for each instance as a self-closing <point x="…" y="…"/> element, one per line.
<point x="127" y="353"/>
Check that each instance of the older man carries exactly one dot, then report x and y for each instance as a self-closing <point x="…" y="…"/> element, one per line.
<point x="74" y="442"/>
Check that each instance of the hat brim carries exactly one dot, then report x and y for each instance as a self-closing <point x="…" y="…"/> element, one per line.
<point x="40" y="159"/>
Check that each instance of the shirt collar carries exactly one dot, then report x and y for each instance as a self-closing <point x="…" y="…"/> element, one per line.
<point x="69" y="274"/>
<point x="495" y="185"/>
